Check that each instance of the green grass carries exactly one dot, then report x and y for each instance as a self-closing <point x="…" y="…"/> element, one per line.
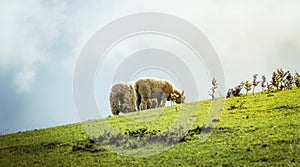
<point x="254" y="130"/>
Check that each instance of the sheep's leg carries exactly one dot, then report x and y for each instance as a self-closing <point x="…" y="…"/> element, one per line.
<point x="163" y="102"/>
<point x="160" y="103"/>
<point x="156" y="104"/>
<point x="143" y="105"/>
<point x="149" y="103"/>
<point x="138" y="102"/>
<point x="152" y="103"/>
<point x="140" y="107"/>
<point x="145" y="93"/>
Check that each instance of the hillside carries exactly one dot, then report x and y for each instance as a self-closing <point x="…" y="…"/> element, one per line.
<point x="261" y="129"/>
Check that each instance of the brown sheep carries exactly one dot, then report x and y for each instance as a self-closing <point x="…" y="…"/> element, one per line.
<point x="122" y="98"/>
<point x="163" y="90"/>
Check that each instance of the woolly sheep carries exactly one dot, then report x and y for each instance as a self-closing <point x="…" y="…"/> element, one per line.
<point x="149" y="88"/>
<point x="122" y="98"/>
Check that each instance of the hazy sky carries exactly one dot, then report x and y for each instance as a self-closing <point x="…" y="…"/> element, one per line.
<point x="41" y="41"/>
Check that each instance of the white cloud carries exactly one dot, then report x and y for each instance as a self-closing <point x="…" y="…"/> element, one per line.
<point x="29" y="31"/>
<point x="249" y="36"/>
<point x="21" y="51"/>
<point x="33" y="33"/>
<point x="24" y="79"/>
<point x="254" y="34"/>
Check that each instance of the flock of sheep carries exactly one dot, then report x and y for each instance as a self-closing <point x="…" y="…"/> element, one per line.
<point x="146" y="93"/>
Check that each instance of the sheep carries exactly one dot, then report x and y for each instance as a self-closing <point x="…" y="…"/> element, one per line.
<point x="149" y="88"/>
<point x="122" y="98"/>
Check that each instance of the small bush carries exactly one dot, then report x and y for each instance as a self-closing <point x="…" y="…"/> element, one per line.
<point x="255" y="82"/>
<point x="248" y="86"/>
<point x="297" y="80"/>
<point x="236" y="91"/>
<point x="213" y="88"/>
<point x="264" y="82"/>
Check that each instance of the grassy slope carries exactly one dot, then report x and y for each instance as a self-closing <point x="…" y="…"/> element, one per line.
<point x="260" y="129"/>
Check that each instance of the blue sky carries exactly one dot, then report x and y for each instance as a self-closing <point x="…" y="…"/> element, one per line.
<point x="41" y="41"/>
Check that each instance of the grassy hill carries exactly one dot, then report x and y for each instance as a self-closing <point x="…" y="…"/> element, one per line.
<point x="254" y="130"/>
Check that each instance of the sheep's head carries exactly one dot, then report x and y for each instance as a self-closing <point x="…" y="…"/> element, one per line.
<point x="178" y="97"/>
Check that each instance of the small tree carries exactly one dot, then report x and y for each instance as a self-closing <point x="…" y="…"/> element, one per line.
<point x="275" y="80"/>
<point x="236" y="91"/>
<point x="255" y="82"/>
<point x="229" y="93"/>
<point x="297" y="79"/>
<point x="248" y="86"/>
<point x="264" y="82"/>
<point x="281" y="77"/>
<point x="213" y="88"/>
<point x="289" y="80"/>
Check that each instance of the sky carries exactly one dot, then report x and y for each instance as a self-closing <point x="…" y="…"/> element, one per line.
<point x="41" y="41"/>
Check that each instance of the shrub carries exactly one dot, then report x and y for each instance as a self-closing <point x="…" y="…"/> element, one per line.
<point x="236" y="91"/>
<point x="297" y="79"/>
<point x="264" y="82"/>
<point x="275" y="80"/>
<point x="255" y="82"/>
<point x="213" y="88"/>
<point x="248" y="86"/>
<point x="289" y="80"/>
